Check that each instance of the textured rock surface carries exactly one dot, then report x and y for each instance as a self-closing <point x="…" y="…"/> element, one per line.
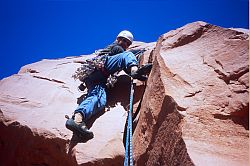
<point x="33" y="104"/>
<point x="196" y="109"/>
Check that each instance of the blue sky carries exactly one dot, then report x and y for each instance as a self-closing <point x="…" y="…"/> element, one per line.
<point x="31" y="30"/>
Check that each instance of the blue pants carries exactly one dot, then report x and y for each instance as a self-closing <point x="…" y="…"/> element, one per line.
<point x="96" y="98"/>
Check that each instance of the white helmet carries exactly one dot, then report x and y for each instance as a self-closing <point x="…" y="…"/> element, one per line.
<point x="126" y="34"/>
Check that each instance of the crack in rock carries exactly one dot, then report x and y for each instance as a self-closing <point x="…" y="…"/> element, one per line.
<point x="53" y="80"/>
<point x="191" y="94"/>
<point x="219" y="63"/>
<point x="64" y="63"/>
<point x="227" y="77"/>
<point x="31" y="71"/>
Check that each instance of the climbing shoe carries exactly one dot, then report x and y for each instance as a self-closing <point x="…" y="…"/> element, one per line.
<point x="77" y="126"/>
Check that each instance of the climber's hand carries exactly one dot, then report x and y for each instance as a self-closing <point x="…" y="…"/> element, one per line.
<point x="142" y="72"/>
<point x="137" y="76"/>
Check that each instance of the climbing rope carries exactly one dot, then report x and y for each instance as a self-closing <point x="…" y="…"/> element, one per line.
<point x="129" y="148"/>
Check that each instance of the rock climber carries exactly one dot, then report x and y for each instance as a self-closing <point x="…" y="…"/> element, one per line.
<point x="116" y="59"/>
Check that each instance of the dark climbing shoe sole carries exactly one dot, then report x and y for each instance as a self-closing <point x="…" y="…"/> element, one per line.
<point x="71" y="125"/>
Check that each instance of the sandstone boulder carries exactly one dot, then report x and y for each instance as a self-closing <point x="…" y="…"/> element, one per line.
<point x="195" y="110"/>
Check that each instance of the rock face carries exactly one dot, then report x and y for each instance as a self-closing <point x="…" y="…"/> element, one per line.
<point x="194" y="110"/>
<point x="33" y="105"/>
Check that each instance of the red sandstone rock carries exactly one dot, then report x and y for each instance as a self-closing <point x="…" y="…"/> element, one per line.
<point x="33" y="104"/>
<point x="195" y="109"/>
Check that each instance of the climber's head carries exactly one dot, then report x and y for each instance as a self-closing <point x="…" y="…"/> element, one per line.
<point x="125" y="39"/>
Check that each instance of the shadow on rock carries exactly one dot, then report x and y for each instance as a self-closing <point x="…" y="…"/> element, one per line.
<point x="121" y="92"/>
<point x="118" y="94"/>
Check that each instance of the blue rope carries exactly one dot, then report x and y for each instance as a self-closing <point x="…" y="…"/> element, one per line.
<point x="129" y="147"/>
<point x="126" y="152"/>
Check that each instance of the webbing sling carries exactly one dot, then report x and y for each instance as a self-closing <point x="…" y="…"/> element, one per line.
<point x="129" y="149"/>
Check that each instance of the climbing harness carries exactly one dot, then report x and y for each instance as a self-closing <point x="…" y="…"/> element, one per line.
<point x="129" y="148"/>
<point x="97" y="63"/>
<point x="113" y="78"/>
